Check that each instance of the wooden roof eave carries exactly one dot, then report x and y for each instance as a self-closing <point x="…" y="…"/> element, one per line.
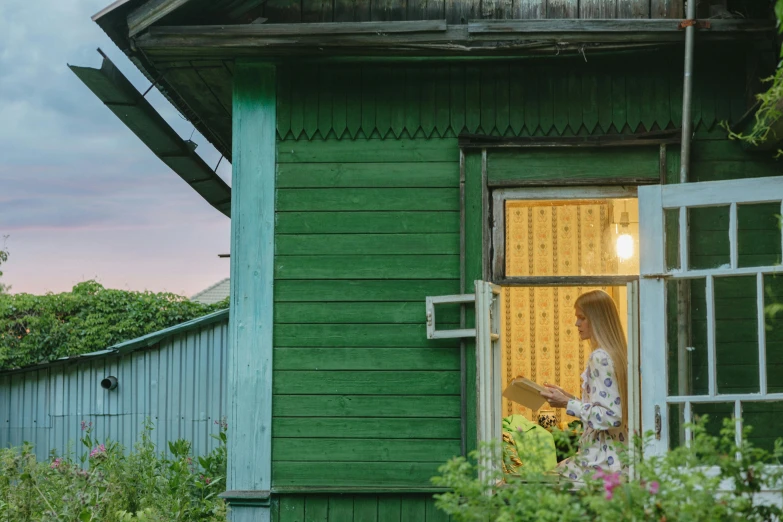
<point x="133" y="109"/>
<point x="432" y="38"/>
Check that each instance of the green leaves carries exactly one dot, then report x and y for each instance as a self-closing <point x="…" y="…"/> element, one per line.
<point x="36" y="329"/>
<point x="3" y="259"/>
<point x="143" y="485"/>
<point x="714" y="479"/>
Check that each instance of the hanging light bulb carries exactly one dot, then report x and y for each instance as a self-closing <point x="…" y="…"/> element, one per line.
<point x="624" y="245"/>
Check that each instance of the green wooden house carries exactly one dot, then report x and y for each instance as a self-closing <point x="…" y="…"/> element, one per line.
<point x="421" y="188"/>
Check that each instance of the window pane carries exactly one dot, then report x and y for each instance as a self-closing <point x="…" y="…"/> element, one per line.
<point x="758" y="234"/>
<point x="671" y="217"/>
<point x="736" y="335"/>
<point x="716" y="415"/>
<point x="676" y="425"/>
<point x="708" y="237"/>
<point x="686" y="312"/>
<point x="773" y="308"/>
<point x="572" y="237"/>
<point x="766" y="419"/>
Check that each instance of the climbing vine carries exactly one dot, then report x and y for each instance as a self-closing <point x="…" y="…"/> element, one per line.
<point x="36" y="329"/>
<point x="770" y="101"/>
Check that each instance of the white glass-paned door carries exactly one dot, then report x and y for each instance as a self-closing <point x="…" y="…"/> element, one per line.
<point x="711" y="275"/>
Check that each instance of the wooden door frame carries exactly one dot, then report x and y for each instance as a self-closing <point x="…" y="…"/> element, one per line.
<point x="476" y="211"/>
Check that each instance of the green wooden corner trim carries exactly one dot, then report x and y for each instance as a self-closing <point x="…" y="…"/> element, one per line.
<point x="234" y="498"/>
<point x="252" y="262"/>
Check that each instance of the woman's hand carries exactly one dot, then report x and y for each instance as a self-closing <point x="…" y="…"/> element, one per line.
<point x="556" y="396"/>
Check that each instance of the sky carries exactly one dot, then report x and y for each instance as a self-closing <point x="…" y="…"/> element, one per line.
<point x="81" y="197"/>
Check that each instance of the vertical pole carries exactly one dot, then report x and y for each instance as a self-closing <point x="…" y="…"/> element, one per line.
<point x="687" y="93"/>
<point x="249" y="477"/>
<point x="683" y="290"/>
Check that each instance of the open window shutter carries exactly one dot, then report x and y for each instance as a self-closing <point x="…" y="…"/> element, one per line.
<point x="486" y="301"/>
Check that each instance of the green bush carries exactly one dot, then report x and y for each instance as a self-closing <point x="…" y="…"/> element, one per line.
<point x="36" y="329"/>
<point x="685" y="485"/>
<point x="107" y="485"/>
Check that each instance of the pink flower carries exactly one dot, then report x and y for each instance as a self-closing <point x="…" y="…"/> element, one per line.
<point x="611" y="481"/>
<point x="654" y="487"/>
<point x="56" y="463"/>
<point x="98" y="451"/>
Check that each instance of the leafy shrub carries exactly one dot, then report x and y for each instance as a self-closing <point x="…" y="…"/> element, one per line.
<point x="770" y="102"/>
<point x="109" y="486"/>
<point x="687" y="484"/>
<point x="35" y="329"/>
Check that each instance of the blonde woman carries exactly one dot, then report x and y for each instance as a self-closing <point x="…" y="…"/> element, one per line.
<point x="604" y="384"/>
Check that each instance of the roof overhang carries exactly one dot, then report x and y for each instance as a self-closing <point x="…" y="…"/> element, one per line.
<point x="191" y="63"/>
<point x="133" y="109"/>
<point x="427" y="38"/>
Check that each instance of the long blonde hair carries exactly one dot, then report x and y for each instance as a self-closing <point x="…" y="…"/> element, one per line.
<point x="601" y="313"/>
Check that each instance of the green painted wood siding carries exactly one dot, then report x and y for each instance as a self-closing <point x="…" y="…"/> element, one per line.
<point x="365" y="230"/>
<point x="356" y="508"/>
<point x="523" y="98"/>
<point x="367" y="226"/>
<point x="584" y="165"/>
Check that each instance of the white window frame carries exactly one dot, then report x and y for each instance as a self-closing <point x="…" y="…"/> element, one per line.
<point x="487" y="308"/>
<point x="654" y="200"/>
<point x="499" y="198"/>
<point x="488" y="376"/>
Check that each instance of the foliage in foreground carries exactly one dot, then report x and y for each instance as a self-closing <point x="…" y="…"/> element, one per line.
<point x="36" y="329"/>
<point x="109" y="486"/>
<point x="686" y="485"/>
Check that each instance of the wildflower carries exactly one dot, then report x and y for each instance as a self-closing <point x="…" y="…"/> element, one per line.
<point x="86" y="425"/>
<point x="611" y="481"/>
<point x="56" y="463"/>
<point x="100" y="450"/>
<point x="654" y="487"/>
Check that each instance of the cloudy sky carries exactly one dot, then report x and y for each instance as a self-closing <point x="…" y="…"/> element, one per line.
<point x="80" y="196"/>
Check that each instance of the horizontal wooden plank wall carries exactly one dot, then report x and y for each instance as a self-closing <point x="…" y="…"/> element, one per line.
<point x="357" y="508"/>
<point x="501" y="99"/>
<point x="506" y="167"/>
<point x="460" y="11"/>
<point x="365" y="230"/>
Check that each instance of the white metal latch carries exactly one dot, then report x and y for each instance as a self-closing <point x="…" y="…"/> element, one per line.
<point x="432" y="333"/>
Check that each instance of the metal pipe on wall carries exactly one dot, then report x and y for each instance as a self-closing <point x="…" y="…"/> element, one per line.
<point x="687" y="91"/>
<point x="683" y="287"/>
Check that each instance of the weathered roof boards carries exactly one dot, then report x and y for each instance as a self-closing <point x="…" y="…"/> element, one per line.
<point x="366" y="140"/>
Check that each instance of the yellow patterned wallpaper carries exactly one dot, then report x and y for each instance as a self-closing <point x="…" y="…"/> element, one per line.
<point x="546" y="238"/>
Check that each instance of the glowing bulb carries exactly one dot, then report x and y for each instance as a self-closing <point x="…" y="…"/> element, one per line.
<point x="625" y="246"/>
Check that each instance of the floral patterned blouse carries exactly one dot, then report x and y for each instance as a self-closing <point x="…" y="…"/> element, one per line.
<point x="601" y="413"/>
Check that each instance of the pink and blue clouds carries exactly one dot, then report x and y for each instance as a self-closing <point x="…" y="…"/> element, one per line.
<point x="80" y="196"/>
